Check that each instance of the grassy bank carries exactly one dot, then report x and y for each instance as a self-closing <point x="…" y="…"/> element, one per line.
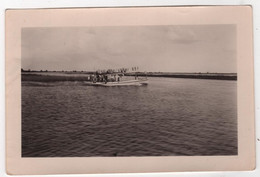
<point x="52" y="78"/>
<point x="217" y="76"/>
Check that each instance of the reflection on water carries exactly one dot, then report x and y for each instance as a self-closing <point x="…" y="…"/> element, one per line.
<point x="168" y="117"/>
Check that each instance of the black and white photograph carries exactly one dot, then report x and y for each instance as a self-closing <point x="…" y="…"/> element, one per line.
<point x="129" y="90"/>
<point x="158" y="90"/>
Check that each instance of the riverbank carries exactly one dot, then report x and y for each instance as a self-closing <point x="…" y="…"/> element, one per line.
<point x="217" y="76"/>
<point x="53" y="77"/>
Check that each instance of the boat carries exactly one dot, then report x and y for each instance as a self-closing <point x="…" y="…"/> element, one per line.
<point x="137" y="82"/>
<point x="112" y="78"/>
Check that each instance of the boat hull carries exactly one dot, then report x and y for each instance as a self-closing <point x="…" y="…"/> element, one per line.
<point x="121" y="83"/>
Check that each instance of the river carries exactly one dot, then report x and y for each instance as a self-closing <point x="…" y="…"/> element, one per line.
<point x="168" y="117"/>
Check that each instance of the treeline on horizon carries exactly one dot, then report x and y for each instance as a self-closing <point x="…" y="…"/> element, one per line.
<point x="75" y="71"/>
<point x="108" y="71"/>
<point x="34" y="76"/>
<point x="136" y="72"/>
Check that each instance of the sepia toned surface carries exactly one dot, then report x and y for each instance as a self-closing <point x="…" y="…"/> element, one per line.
<point x="67" y="117"/>
<point x="245" y="157"/>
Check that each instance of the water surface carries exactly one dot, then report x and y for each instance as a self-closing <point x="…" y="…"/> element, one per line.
<point x="169" y="117"/>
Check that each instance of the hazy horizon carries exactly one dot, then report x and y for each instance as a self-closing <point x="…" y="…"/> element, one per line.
<point x="178" y="48"/>
<point x="79" y="71"/>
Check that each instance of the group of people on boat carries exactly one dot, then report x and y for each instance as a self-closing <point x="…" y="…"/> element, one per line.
<point x="105" y="78"/>
<point x="111" y="75"/>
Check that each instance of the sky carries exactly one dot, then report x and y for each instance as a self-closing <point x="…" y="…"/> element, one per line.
<point x="176" y="48"/>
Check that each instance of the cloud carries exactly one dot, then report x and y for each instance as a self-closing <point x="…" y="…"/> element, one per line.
<point x="182" y="35"/>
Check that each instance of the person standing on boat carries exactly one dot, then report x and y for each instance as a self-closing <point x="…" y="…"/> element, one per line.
<point x="106" y="78"/>
<point x="94" y="79"/>
<point x="98" y="78"/>
<point x="116" y="77"/>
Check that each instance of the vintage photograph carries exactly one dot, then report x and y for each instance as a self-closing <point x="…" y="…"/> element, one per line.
<point x="120" y="91"/>
<point x="129" y="90"/>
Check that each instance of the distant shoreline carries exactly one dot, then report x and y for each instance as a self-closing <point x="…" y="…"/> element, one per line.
<point x="215" y="76"/>
<point x="82" y="76"/>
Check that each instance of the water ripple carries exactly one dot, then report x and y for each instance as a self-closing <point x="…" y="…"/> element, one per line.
<point x="167" y="117"/>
